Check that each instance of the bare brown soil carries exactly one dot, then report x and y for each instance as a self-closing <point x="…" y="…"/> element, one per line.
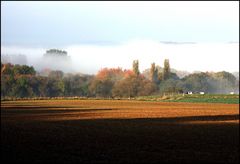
<point x="112" y="131"/>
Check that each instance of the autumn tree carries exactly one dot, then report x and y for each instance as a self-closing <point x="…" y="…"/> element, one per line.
<point x="55" y="87"/>
<point x="56" y="74"/>
<point x="7" y="69"/>
<point x="22" y="81"/>
<point x="132" y="86"/>
<point x="43" y="86"/>
<point x="112" y="74"/>
<point x="102" y="83"/>
<point x="23" y="70"/>
<point x="22" y="87"/>
<point x="7" y="83"/>
<point x="127" y="87"/>
<point x="100" y="88"/>
<point x="76" y="85"/>
<point x="34" y="84"/>
<point x="146" y="87"/>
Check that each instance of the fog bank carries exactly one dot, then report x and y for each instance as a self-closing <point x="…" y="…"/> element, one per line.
<point x="87" y="58"/>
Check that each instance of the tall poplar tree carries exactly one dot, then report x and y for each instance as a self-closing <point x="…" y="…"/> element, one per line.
<point x="154" y="73"/>
<point x="166" y="69"/>
<point x="136" y="67"/>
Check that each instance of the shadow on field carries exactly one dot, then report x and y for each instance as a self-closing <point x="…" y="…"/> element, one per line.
<point x="34" y="107"/>
<point x="200" y="118"/>
<point x="76" y="111"/>
<point x="154" y="140"/>
<point x="45" y="110"/>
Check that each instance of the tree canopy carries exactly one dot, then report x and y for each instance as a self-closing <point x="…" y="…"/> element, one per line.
<point x="24" y="81"/>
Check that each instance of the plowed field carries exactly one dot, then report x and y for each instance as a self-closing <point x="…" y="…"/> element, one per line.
<point x="118" y="131"/>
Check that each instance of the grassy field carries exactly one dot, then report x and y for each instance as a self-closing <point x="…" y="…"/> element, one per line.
<point x="118" y="131"/>
<point x="195" y="98"/>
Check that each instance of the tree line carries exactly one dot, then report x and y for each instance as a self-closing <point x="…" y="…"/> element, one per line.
<point x="23" y="81"/>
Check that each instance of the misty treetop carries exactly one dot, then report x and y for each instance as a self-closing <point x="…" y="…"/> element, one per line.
<point x="25" y="81"/>
<point x="56" y="51"/>
<point x="56" y="59"/>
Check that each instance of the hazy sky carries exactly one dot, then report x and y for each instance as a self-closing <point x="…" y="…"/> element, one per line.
<point x="103" y="31"/>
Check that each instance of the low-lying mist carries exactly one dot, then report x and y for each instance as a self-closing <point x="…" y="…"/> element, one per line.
<point x="88" y="59"/>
